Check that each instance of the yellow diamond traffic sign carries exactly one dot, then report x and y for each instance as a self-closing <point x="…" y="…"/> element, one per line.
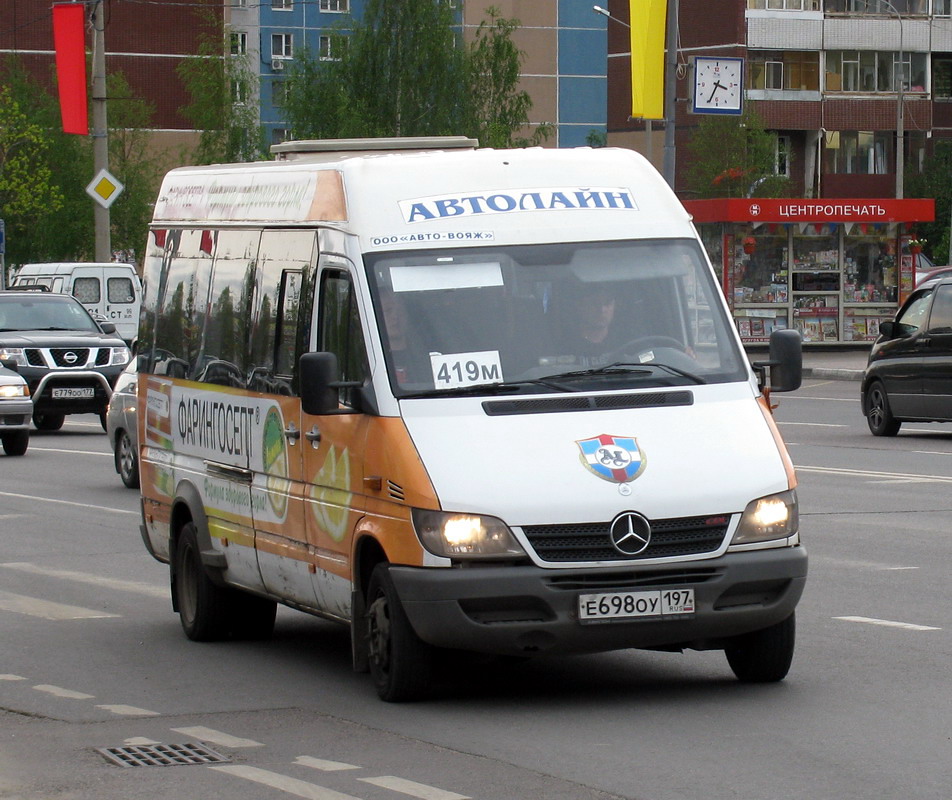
<point x="104" y="188"/>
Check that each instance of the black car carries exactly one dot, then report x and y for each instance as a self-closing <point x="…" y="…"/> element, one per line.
<point x="69" y="360"/>
<point x="909" y="373"/>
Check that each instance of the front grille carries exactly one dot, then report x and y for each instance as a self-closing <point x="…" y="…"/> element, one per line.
<point x="102" y="357"/>
<point x="35" y="358"/>
<point x="61" y="356"/>
<point x="681" y="536"/>
<point x="553" y="405"/>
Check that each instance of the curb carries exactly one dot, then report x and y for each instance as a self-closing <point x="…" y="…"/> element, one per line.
<point x="833" y="374"/>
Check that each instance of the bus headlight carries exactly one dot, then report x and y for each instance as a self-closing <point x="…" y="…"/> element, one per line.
<point x="771" y="517"/>
<point x="464" y="535"/>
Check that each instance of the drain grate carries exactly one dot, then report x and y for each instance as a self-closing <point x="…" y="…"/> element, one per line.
<point x="162" y="755"/>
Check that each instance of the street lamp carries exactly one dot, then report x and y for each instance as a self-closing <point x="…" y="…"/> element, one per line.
<point x="670" y="86"/>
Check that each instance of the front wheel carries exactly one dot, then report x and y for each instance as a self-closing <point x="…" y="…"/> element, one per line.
<point x="763" y="656"/>
<point x="202" y="606"/>
<point x="16" y="443"/>
<point x="127" y="462"/>
<point x="878" y="414"/>
<point x="400" y="662"/>
<point x="48" y="422"/>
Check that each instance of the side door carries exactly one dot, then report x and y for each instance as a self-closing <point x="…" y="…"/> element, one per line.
<point x="899" y="360"/>
<point x="335" y="444"/>
<point x="936" y="346"/>
<point x="122" y="303"/>
<point x="87" y="287"/>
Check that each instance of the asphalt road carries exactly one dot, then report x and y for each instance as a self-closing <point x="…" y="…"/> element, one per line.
<point x="92" y="657"/>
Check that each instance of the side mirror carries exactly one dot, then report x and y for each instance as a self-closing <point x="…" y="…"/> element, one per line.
<point x="10" y="364"/>
<point x="319" y="395"/>
<point x="107" y="327"/>
<point x="786" y="361"/>
<point x="888" y="329"/>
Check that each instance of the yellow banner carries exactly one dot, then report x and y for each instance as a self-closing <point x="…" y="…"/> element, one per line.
<point x="647" y="58"/>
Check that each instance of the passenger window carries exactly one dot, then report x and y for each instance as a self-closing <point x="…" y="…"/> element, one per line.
<point x="940" y="319"/>
<point x="119" y="290"/>
<point x="340" y="331"/>
<point x="86" y="290"/>
<point x="913" y="317"/>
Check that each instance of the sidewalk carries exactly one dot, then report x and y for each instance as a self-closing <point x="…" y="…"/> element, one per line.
<point x="841" y="363"/>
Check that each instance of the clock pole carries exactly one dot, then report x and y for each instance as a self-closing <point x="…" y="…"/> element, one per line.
<point x="670" y="89"/>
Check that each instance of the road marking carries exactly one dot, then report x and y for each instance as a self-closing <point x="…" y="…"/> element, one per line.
<point x="309" y="791"/>
<point x="217" y="737"/>
<point x="11" y="678"/>
<point x="871" y="474"/>
<point x="931" y="452"/>
<point x="413" y="789"/>
<point x="814" y="424"/>
<point x="889" y="623"/>
<point x="59" y="691"/>
<point x="45" y="609"/>
<point x="95" y="580"/>
<point x="68" y="503"/>
<point x="129" y="711"/>
<point x="74" y="452"/>
<point x="321" y="764"/>
<point x="824" y="399"/>
<point x="857" y="564"/>
<point x="139" y="741"/>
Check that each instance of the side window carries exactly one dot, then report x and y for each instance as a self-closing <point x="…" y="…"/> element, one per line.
<point x="87" y="290"/>
<point x="280" y="323"/>
<point x="223" y="359"/>
<point x="914" y="315"/>
<point x="940" y="319"/>
<point x="119" y="290"/>
<point x="340" y="332"/>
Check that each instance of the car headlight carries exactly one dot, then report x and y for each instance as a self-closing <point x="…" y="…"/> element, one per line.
<point x="12" y="390"/>
<point x="464" y="536"/>
<point x="14" y="354"/>
<point x="120" y="355"/>
<point x="771" y="517"/>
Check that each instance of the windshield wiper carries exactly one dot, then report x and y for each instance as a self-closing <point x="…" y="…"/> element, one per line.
<point x="624" y="367"/>
<point x="488" y="388"/>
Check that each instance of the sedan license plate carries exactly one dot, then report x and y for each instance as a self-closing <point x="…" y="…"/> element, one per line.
<point x="70" y="393"/>
<point x="610" y="606"/>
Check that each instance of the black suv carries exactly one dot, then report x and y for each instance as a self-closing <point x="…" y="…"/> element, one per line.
<point x="69" y="360"/>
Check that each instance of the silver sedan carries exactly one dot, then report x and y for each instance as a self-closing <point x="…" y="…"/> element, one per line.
<point x="121" y="425"/>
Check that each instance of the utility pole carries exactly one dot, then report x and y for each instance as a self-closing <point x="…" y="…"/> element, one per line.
<point x="100" y="132"/>
<point x="670" y="92"/>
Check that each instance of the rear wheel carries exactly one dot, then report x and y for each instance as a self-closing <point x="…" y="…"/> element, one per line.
<point x="102" y="420"/>
<point x="878" y="414"/>
<point x="48" y="422"/>
<point x="127" y="462"/>
<point x="202" y="606"/>
<point x="763" y="656"/>
<point x="15" y="443"/>
<point x="400" y="662"/>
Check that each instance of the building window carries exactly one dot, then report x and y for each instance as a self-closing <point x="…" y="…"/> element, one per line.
<point x="942" y="79"/>
<point x="785" y="5"/>
<point x="279" y="93"/>
<point x="282" y="5"/>
<point x="239" y="92"/>
<point x="941" y="8"/>
<point x="336" y="6"/>
<point x="239" y="43"/>
<point x="918" y="8"/>
<point x="282" y="45"/>
<point x="859" y="152"/>
<point x="782" y="154"/>
<point x="870" y="71"/>
<point x="279" y="135"/>
<point x="775" y="69"/>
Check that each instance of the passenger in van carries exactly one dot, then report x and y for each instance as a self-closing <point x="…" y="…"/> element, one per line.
<point x="409" y="365"/>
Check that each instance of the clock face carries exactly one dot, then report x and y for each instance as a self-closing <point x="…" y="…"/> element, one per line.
<point x="718" y="85"/>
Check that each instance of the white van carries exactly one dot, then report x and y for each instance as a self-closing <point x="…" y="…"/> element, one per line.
<point x="487" y="400"/>
<point x="111" y="291"/>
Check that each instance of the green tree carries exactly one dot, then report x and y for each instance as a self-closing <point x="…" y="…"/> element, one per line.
<point x="734" y="157"/>
<point x="404" y="70"/>
<point x="933" y="181"/>
<point x="223" y="99"/>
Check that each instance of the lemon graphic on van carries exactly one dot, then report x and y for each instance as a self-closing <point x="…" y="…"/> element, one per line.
<point x="330" y="493"/>
<point x="275" y="461"/>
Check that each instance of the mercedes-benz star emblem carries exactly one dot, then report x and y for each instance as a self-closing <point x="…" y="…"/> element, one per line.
<point x="630" y="533"/>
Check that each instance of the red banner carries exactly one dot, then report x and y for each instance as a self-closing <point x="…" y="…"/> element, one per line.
<point x="861" y="210"/>
<point x="69" y="37"/>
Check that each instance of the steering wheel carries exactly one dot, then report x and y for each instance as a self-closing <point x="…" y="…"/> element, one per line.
<point x="641" y="342"/>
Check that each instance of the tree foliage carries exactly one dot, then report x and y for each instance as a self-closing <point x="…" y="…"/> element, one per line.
<point x="933" y="181"/>
<point x="734" y="157"/>
<point x="404" y="70"/>
<point x="223" y="103"/>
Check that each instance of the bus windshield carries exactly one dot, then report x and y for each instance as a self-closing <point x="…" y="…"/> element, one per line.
<point x="552" y="317"/>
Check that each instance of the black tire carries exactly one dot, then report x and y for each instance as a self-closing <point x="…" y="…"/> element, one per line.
<point x="127" y="460"/>
<point x="878" y="414"/>
<point x="102" y="420"/>
<point x="764" y="656"/>
<point x="16" y="443"/>
<point x="48" y="422"/>
<point x="203" y="607"/>
<point x="251" y="617"/>
<point x="400" y="663"/>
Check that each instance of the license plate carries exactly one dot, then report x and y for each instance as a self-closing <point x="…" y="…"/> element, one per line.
<point x="630" y="605"/>
<point x="69" y="393"/>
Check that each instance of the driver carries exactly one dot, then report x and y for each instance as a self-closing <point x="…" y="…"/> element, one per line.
<point x="591" y="316"/>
